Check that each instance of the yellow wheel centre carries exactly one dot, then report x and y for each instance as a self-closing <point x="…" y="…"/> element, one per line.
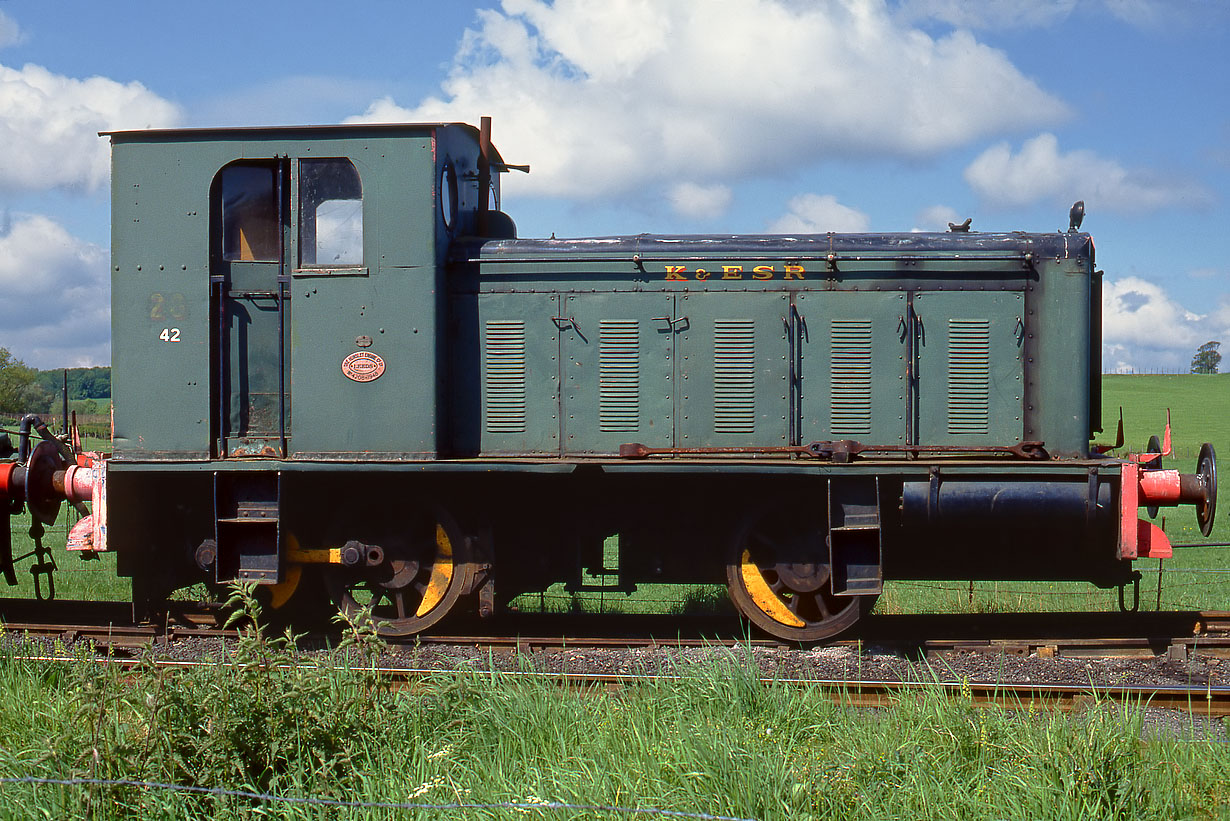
<point x="762" y="596"/>
<point x="441" y="573"/>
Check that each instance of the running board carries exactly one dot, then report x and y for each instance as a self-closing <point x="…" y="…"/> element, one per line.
<point x="855" y="548"/>
<point x="247" y="527"/>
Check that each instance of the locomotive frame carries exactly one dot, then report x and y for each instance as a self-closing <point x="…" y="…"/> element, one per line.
<point x="333" y="359"/>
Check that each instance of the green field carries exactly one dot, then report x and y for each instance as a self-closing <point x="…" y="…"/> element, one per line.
<point x="1197" y="404"/>
<point x="1195" y="577"/>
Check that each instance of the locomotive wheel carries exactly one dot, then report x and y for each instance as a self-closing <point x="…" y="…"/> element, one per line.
<point x="420" y="579"/>
<point x="779" y="575"/>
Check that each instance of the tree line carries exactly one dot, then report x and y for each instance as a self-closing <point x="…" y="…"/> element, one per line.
<point x="1207" y="358"/>
<point x="28" y="390"/>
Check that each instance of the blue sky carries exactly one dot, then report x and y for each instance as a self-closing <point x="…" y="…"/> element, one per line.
<point x="668" y="116"/>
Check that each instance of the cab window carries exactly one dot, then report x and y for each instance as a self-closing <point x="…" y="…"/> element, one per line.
<point x="250" y="213"/>
<point x="330" y="214"/>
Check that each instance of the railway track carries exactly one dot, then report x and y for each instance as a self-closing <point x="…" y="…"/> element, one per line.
<point x="1086" y="635"/>
<point x="1208" y="701"/>
<point x="1205" y="701"/>
<point x="1171" y="637"/>
<point x="1177" y="635"/>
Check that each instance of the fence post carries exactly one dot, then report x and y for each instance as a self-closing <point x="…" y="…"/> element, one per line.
<point x="1159" y="584"/>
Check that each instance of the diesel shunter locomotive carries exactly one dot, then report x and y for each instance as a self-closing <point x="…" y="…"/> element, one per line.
<point x="338" y="373"/>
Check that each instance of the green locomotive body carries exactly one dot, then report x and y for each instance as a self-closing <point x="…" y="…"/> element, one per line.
<point x="333" y="357"/>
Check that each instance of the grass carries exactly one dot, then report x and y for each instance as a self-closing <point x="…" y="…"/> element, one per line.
<point x="717" y="741"/>
<point x="1197" y="406"/>
<point x="76" y="578"/>
<point x="647" y="598"/>
<point x="1193" y="580"/>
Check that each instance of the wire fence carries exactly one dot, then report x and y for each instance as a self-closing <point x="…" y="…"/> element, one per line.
<point x="1128" y="370"/>
<point x="557" y="806"/>
<point x="1029" y="591"/>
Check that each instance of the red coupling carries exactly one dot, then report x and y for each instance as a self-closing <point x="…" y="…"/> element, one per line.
<point x="1168" y="488"/>
<point x="1151" y="541"/>
<point x="81" y="537"/>
<point x="9" y="489"/>
<point x="1160" y="487"/>
<point x="1138" y="538"/>
<point x="91" y="532"/>
<point x="1129" y="495"/>
<point x="79" y="483"/>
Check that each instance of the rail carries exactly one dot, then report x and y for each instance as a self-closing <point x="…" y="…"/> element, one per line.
<point x="1203" y="700"/>
<point x="1177" y="635"/>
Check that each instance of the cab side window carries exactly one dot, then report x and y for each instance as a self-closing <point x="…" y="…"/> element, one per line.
<point x="330" y="214"/>
<point x="250" y="213"/>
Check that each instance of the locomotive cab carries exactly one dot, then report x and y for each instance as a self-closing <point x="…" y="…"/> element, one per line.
<point x="291" y="273"/>
<point x="276" y="309"/>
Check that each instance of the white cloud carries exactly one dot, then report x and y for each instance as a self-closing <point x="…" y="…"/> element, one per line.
<point x="1014" y="15"/>
<point x="49" y="126"/>
<point x="1142" y="13"/>
<point x="1041" y="172"/>
<point x="605" y="96"/>
<point x="57" y="305"/>
<point x="1164" y="17"/>
<point x="936" y="218"/>
<point x="10" y="33"/>
<point x="1138" y="311"/>
<point x="1144" y="328"/>
<point x="1206" y="273"/>
<point x="817" y="214"/>
<point x="987" y="14"/>
<point x="700" y="201"/>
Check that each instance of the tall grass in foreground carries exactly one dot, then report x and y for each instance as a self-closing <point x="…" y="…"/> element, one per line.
<point x="715" y="741"/>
